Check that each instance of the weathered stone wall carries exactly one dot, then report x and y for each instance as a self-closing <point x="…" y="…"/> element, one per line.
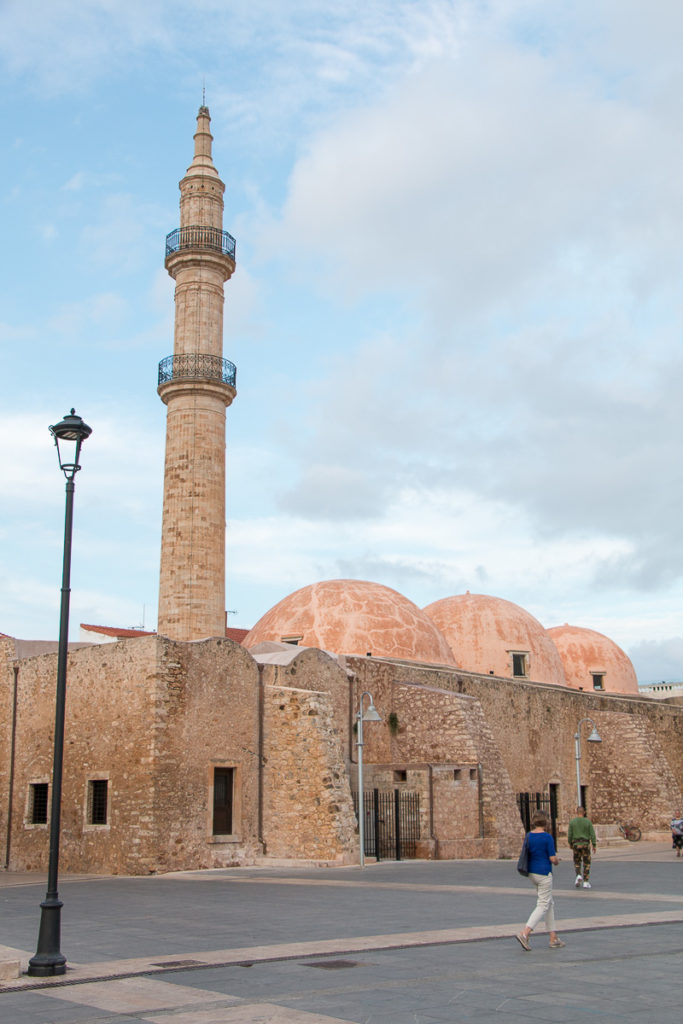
<point x="108" y="734"/>
<point x="464" y="788"/>
<point x="315" y="670"/>
<point x="308" y="813"/>
<point x="154" y="718"/>
<point x="532" y="727"/>
<point x="206" y="716"/>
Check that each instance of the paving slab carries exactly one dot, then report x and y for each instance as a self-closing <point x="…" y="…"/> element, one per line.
<point x="417" y="942"/>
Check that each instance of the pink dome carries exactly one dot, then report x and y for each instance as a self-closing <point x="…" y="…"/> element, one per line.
<point x="593" y="661"/>
<point x="496" y="637"/>
<point x="354" y="617"/>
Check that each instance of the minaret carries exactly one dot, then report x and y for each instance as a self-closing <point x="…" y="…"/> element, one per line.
<point x="197" y="385"/>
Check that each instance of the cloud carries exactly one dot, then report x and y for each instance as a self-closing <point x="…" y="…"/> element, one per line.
<point x="523" y="219"/>
<point x="657" y="661"/>
<point x="67" y="43"/>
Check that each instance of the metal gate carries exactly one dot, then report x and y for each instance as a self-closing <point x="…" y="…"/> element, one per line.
<point x="392" y="823"/>
<point x="530" y="802"/>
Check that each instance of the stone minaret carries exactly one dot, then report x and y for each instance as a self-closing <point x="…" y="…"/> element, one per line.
<point x="197" y="385"/>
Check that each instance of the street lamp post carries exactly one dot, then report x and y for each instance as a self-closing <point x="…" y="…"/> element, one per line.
<point x="594" y="737"/>
<point x="49" y="960"/>
<point x="371" y="715"/>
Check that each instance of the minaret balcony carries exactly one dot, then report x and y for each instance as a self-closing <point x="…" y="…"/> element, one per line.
<point x="200" y="238"/>
<point x="197" y="366"/>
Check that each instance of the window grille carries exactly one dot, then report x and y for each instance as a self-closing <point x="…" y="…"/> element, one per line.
<point x="38" y="805"/>
<point x="97" y="801"/>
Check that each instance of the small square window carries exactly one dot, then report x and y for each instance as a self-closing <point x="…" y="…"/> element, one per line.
<point x="519" y="664"/>
<point x="598" y="680"/>
<point x="38" y="803"/>
<point x="294" y="640"/>
<point x="97" y="801"/>
<point x="400" y="775"/>
<point x="457" y="774"/>
<point x="473" y="774"/>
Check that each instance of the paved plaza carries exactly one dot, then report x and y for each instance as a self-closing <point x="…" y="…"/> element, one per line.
<point x="396" y="943"/>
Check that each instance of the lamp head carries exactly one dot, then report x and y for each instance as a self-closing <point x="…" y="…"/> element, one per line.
<point x="594" y="737"/>
<point x="71" y="430"/>
<point x="372" y="714"/>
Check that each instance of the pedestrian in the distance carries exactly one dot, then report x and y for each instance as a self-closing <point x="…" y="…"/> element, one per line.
<point x="542" y="856"/>
<point x="581" y="836"/>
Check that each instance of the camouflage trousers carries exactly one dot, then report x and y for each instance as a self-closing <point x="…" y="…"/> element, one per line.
<point x="582" y="859"/>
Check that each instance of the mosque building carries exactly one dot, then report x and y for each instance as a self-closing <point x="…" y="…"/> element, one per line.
<point x="198" y="746"/>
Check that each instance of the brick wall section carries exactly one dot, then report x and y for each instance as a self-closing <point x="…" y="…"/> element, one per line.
<point x="308" y="811"/>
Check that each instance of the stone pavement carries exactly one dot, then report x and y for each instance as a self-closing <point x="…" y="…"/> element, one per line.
<point x="408" y="943"/>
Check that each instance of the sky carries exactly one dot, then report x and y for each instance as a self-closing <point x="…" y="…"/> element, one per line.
<point x="456" y="316"/>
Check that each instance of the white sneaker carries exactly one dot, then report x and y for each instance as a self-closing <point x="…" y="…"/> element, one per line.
<point x="579" y="880"/>
<point x="587" y="885"/>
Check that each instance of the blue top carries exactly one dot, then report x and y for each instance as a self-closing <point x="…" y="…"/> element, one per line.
<point x="541" y="849"/>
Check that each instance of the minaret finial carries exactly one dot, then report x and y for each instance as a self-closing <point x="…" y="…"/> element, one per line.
<point x="203" y="92"/>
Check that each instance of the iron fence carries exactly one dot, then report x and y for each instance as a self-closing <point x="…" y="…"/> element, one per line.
<point x="530" y="802"/>
<point x="392" y="823"/>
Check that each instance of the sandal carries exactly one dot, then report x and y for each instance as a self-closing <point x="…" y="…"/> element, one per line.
<point x="524" y="942"/>
<point x="557" y="944"/>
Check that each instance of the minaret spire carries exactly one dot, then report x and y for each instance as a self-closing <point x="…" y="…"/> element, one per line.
<point x="197" y="385"/>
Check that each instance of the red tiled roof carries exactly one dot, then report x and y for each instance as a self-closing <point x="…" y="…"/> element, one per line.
<point x="235" y="633"/>
<point x="115" y="631"/>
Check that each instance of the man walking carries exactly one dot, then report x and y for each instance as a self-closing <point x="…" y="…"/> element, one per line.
<point x="581" y="836"/>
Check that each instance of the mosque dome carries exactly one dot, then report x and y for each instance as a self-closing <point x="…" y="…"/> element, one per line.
<point x="354" y="617"/>
<point x="496" y="637"/>
<point x="593" y="661"/>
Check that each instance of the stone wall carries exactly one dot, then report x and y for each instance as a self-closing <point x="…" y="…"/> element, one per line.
<point x="532" y="726"/>
<point x="308" y="812"/>
<point x="108" y="735"/>
<point x="155" y="719"/>
<point x="465" y="790"/>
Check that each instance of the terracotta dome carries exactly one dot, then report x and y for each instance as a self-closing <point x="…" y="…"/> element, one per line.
<point x="592" y="661"/>
<point x="496" y="637"/>
<point x="354" y="617"/>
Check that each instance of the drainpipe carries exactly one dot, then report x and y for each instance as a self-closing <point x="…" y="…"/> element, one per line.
<point x="12" y="753"/>
<point x="261" y="707"/>
<point x="480" y="797"/>
<point x="430" y="770"/>
<point x="351" y="722"/>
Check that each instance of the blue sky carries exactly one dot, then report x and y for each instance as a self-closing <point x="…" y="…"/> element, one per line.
<point x="456" y="317"/>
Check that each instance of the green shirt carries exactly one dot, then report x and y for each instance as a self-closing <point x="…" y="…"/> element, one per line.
<point x="581" y="829"/>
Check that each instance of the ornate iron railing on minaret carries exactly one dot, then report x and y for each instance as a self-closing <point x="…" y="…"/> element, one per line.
<point x="197" y="236"/>
<point x="197" y="366"/>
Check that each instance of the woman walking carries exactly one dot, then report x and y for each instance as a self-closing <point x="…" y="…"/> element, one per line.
<point x="542" y="856"/>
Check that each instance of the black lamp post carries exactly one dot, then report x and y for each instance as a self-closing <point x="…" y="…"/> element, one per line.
<point x="49" y="959"/>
